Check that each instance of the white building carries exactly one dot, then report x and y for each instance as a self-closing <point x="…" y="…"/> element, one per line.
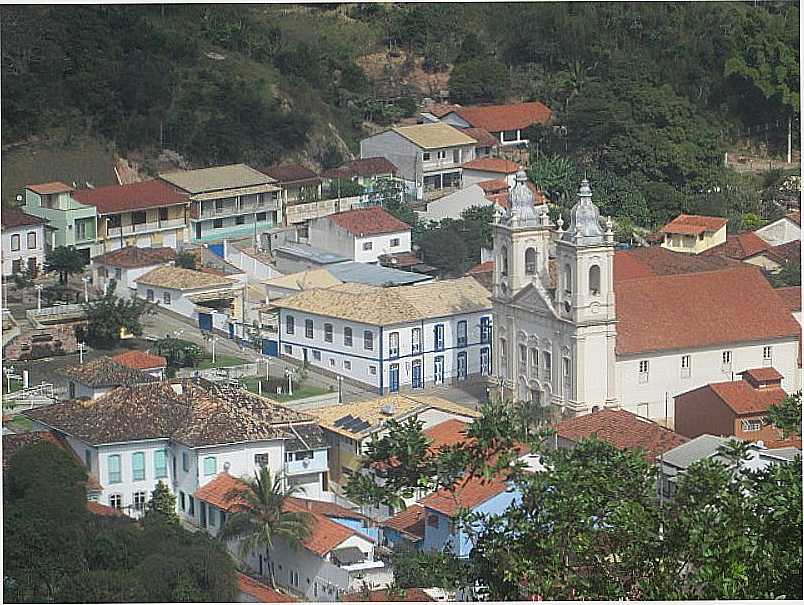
<point x="361" y="235"/>
<point x="23" y="241"/>
<point x="338" y="556"/>
<point x="786" y="229"/>
<point x="578" y="326"/>
<point x="125" y="265"/>
<point x="391" y="338"/>
<point x="428" y="157"/>
<point x="489" y="169"/>
<point x="214" y="301"/>
<point x="96" y="378"/>
<point x="453" y="204"/>
<point x="184" y="434"/>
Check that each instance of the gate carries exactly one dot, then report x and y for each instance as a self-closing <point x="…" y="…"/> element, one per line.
<point x="216" y="249"/>
<point x="205" y="322"/>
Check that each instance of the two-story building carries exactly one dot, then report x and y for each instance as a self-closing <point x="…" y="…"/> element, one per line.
<point x="694" y="234"/>
<point x="391" y="338"/>
<point x="361" y="235"/>
<point x="489" y="169"/>
<point x="428" y="157"/>
<point x="364" y="171"/>
<point x="150" y="213"/>
<point x="299" y="184"/>
<point x="70" y="223"/>
<point x="228" y="201"/>
<point x="185" y="433"/>
<point x="23" y="241"/>
<point x="124" y="265"/>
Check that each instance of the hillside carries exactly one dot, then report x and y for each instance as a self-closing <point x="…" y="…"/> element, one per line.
<point x="648" y="96"/>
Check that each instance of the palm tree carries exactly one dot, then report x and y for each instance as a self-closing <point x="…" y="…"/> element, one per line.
<point x="262" y="516"/>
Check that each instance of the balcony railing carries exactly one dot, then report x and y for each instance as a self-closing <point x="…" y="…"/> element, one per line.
<point x="303" y="467"/>
<point x="234" y="209"/>
<point x="145" y="227"/>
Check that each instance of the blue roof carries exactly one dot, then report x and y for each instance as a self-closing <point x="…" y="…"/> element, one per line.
<point x="375" y="275"/>
<point x="316" y="255"/>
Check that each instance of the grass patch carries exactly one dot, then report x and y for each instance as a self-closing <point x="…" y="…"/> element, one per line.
<point x="16" y="385"/>
<point x="221" y="361"/>
<point x="19" y="424"/>
<point x="299" y="392"/>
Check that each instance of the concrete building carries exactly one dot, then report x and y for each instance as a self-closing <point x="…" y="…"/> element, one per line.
<point x="299" y="184"/>
<point x="782" y="231"/>
<point x="184" y="434"/>
<point x="579" y="326"/>
<point x="151" y="213"/>
<point x="228" y="201"/>
<point x="361" y="235"/>
<point x="428" y="157"/>
<point x="70" y="223"/>
<point x="148" y="363"/>
<point x="694" y="234"/>
<point x="96" y="378"/>
<point x="125" y="265"/>
<point x="391" y="338"/>
<point x="23" y="241"/>
<point x="365" y="171"/>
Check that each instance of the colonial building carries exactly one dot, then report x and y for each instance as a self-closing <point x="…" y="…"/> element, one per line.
<point x="391" y="338"/>
<point x="23" y="241"/>
<point x="125" y="265"/>
<point x="507" y="123"/>
<point x="694" y="234"/>
<point x="579" y="327"/>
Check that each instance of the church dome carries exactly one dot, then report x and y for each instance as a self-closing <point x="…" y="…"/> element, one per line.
<point x="584" y="228"/>
<point x="520" y="202"/>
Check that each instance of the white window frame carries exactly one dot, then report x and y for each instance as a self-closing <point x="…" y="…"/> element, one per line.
<point x="394" y="242"/>
<point x="752" y="425"/>
<point x="368" y="340"/>
<point x="15" y="246"/>
<point x="348" y="336"/>
<point x="328" y="332"/>
<point x="644" y="371"/>
<point x="416" y="340"/>
<point x="686" y="366"/>
<point x="367" y="246"/>
<point x="393" y="345"/>
<point x="31" y="234"/>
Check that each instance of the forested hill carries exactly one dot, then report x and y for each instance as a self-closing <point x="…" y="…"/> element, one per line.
<point x="650" y="94"/>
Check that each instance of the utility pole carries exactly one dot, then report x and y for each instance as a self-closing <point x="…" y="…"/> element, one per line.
<point x="790" y="139"/>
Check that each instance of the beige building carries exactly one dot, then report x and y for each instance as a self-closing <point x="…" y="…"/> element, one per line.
<point x="694" y="234"/>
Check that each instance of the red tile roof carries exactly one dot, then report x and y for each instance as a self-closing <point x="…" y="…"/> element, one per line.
<point x="740" y="246"/>
<point x="48" y="188"/>
<point x="140" y="360"/>
<point x="792" y="441"/>
<point x="439" y="110"/>
<point x="496" y="118"/>
<point x="14" y="217"/>
<point x="486" y="267"/>
<point x="136" y="196"/>
<point x="446" y="433"/>
<point x="791" y="251"/>
<point x="368" y="221"/>
<point x="791" y="297"/>
<point x="406" y="595"/>
<point x="409" y="521"/>
<point x="290" y="173"/>
<point x="223" y="491"/>
<point x="696" y="310"/>
<point x="483" y="137"/>
<point x="96" y="508"/>
<point x="623" y="430"/>
<point x="740" y="396"/>
<point x="760" y="375"/>
<point x="492" y="165"/>
<point x="361" y="167"/>
<point x="260" y="592"/>
<point x="692" y="224"/>
<point x="494" y="186"/>
<point x="655" y="260"/>
<point x="133" y="256"/>
<point x="468" y="494"/>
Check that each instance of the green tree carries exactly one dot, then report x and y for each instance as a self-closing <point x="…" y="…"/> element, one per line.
<point x="65" y="261"/>
<point x="185" y="260"/>
<point x="752" y="222"/>
<point x="179" y="353"/>
<point x="414" y="569"/>
<point x="444" y="248"/>
<point x="480" y="80"/>
<point x="786" y="415"/>
<point x="788" y="275"/>
<point x="263" y="517"/>
<point x="163" y="503"/>
<point x="107" y="316"/>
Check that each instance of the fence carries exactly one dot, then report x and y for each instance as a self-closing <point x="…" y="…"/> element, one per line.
<point x="27" y="399"/>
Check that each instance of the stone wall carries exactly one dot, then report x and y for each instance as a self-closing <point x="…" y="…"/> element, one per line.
<point x="44" y="342"/>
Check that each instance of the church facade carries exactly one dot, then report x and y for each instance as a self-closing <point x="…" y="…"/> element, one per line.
<point x="581" y="326"/>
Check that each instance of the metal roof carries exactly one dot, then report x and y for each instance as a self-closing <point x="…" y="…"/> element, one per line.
<point x="374" y="275"/>
<point x="322" y="257"/>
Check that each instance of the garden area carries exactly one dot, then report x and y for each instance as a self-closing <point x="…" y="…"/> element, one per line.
<point x="277" y="388"/>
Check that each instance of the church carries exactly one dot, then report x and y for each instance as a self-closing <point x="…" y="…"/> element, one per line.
<point x="583" y="326"/>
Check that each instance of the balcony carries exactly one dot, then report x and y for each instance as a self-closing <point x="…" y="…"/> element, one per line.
<point x="176" y="223"/>
<point x="317" y="464"/>
<point x="211" y="212"/>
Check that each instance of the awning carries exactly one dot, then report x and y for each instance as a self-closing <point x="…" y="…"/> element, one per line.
<point x="349" y="555"/>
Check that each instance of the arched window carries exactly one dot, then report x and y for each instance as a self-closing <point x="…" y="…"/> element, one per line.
<point x="567" y="279"/>
<point x="504" y="261"/>
<point x="530" y="261"/>
<point x="594" y="280"/>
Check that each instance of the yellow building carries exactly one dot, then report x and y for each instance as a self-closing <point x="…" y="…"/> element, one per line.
<point x="147" y="214"/>
<point x="694" y="234"/>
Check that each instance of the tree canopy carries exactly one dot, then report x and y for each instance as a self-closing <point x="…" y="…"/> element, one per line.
<point x="66" y="261"/>
<point x="107" y="316"/>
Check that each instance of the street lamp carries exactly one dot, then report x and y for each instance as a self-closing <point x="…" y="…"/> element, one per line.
<point x="340" y="389"/>
<point x="290" y="373"/>
<point x="80" y="352"/>
<point x="86" y="279"/>
<point x="39" y="296"/>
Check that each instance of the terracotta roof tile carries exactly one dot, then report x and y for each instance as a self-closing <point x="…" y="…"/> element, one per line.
<point x="105" y="372"/>
<point x="790" y="251"/>
<point x="740" y="246"/>
<point x="655" y="260"/>
<point x="446" y="433"/>
<point x="191" y="412"/>
<point x="12" y="217"/>
<point x="133" y="256"/>
<point x="738" y="395"/>
<point x="368" y="221"/>
<point x="260" y="592"/>
<point x="179" y="278"/>
<point x="468" y="494"/>
<point x="486" y="267"/>
<point x="791" y="297"/>
<point x="512" y="116"/>
<point x="140" y="360"/>
<point x="361" y="167"/>
<point x="96" y="508"/>
<point x="49" y="188"/>
<point x="792" y="441"/>
<point x="407" y="595"/>
<point x="494" y="186"/>
<point x="492" y="165"/>
<point x="760" y="375"/>
<point x="291" y="173"/>
<point x="409" y="521"/>
<point x="795" y="216"/>
<point x="135" y="196"/>
<point x="439" y="110"/>
<point x="623" y="430"/>
<point x="693" y="224"/>
<point x="699" y="309"/>
<point x="483" y="137"/>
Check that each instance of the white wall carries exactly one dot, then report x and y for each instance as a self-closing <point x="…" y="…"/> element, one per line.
<point x="253" y="267"/>
<point x="473" y="176"/>
<point x="452" y="205"/>
<point x="125" y="287"/>
<point x="127" y="486"/>
<point x="664" y="375"/>
<point x="24" y="253"/>
<point x="380" y="244"/>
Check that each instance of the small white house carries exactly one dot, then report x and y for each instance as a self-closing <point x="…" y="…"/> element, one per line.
<point x="391" y="338"/>
<point x="214" y="301"/>
<point x="453" y="204"/>
<point x="96" y="378"/>
<point x="23" y="241"/>
<point x="361" y="235"/>
<point x="786" y="229"/>
<point x="184" y="434"/>
<point x="125" y="265"/>
<point x="338" y="556"/>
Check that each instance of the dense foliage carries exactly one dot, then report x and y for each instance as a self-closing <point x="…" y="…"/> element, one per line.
<point x="109" y="316"/>
<point x="55" y="551"/>
<point x="453" y="246"/>
<point x="592" y="526"/>
<point x="66" y="261"/>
